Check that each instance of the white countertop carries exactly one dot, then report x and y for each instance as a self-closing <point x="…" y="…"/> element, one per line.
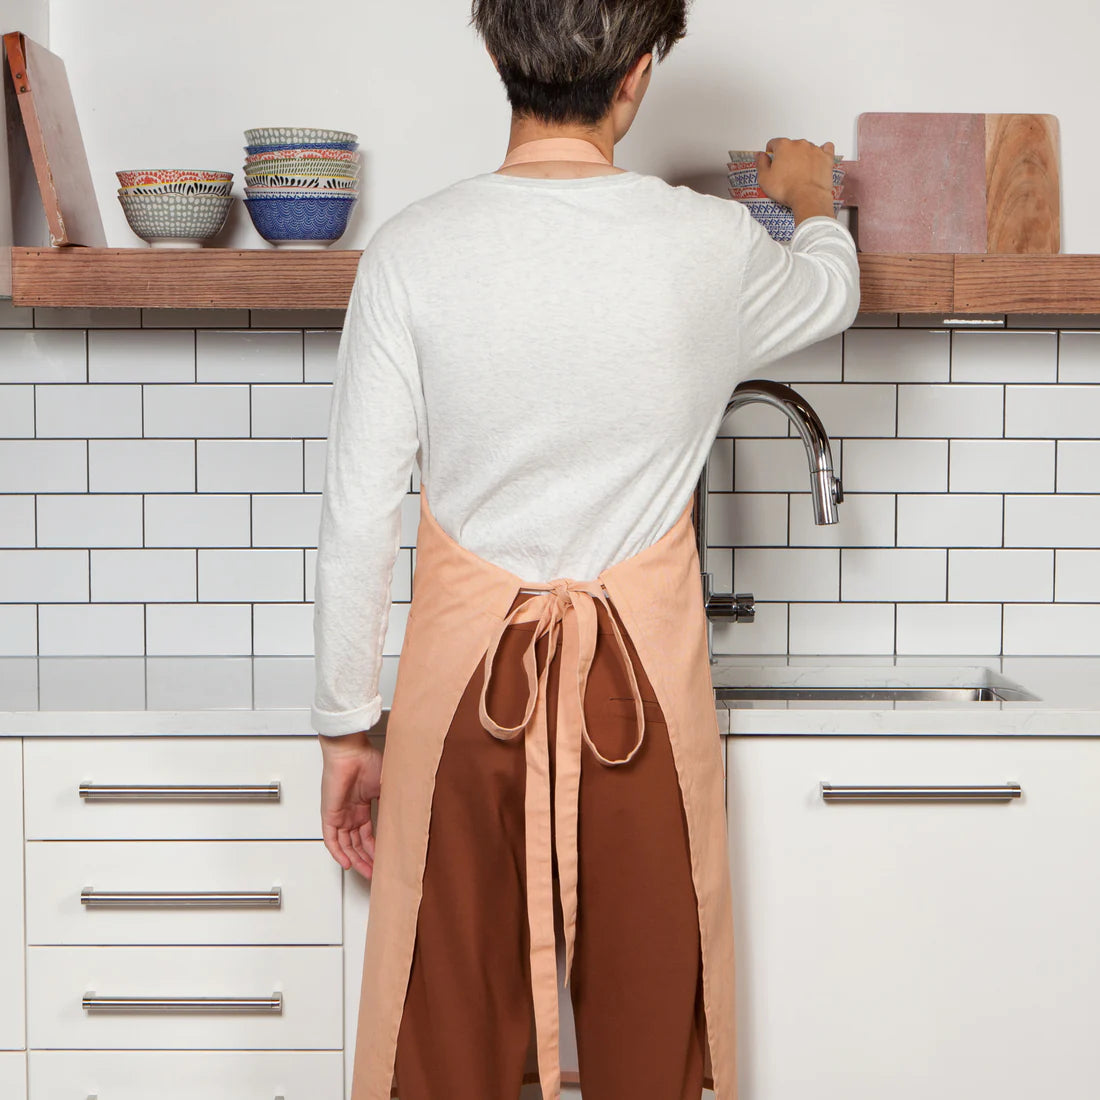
<point x="259" y="696"/>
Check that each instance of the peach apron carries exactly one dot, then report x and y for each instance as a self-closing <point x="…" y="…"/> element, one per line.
<point x="461" y="605"/>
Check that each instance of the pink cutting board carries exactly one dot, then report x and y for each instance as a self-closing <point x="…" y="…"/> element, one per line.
<point x="982" y="183"/>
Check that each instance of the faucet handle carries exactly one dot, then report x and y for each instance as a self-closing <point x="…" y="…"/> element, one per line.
<point x="838" y="490"/>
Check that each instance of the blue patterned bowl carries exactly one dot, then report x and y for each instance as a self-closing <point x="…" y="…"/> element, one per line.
<point x="250" y="149"/>
<point x="302" y="221"/>
<point x="776" y="218"/>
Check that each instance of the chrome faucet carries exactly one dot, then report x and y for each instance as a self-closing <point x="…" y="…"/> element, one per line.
<point x="825" y="489"/>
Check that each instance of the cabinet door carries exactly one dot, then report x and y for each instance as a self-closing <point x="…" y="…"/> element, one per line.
<point x="12" y="1030"/>
<point x="916" y="949"/>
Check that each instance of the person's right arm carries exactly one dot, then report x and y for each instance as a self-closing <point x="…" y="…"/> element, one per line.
<point x="793" y="295"/>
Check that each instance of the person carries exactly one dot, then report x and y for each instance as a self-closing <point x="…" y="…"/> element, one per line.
<point x="553" y="344"/>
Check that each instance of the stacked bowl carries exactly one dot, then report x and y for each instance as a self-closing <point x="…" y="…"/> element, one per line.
<point x="175" y="207"/>
<point x="776" y="218"/>
<point x="300" y="184"/>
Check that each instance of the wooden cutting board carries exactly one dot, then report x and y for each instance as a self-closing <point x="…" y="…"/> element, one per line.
<point x="57" y="149"/>
<point x="925" y="182"/>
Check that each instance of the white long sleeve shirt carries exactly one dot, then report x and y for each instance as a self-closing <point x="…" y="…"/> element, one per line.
<point x="556" y="355"/>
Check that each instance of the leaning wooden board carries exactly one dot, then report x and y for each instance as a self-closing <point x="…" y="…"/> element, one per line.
<point x="980" y="183"/>
<point x="57" y="149"/>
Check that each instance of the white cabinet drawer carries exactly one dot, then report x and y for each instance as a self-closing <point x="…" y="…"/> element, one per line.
<point x="308" y="978"/>
<point x="294" y="887"/>
<point x="13" y="1076"/>
<point x="909" y="949"/>
<point x="185" y="1075"/>
<point x="12" y="1036"/>
<point x="273" y="786"/>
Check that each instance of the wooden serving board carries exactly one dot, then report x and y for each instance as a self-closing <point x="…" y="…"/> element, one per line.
<point x="979" y="183"/>
<point x="57" y="149"/>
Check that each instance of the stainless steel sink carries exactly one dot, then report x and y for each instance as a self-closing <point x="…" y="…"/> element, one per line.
<point x="966" y="694"/>
<point x="890" y="685"/>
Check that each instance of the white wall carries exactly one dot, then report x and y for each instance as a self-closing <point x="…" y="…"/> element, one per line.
<point x="175" y="86"/>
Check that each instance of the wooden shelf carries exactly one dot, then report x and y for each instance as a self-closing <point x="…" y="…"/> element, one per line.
<point x="222" y="278"/>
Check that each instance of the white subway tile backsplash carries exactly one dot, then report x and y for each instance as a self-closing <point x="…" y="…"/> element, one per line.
<point x="249" y="465"/>
<point x="285" y="629"/>
<point x="199" y="630"/>
<point x="43" y="465"/>
<point x="141" y="465"/>
<point x="952" y="410"/>
<point x="897" y="355"/>
<point x="771" y="465"/>
<point x="1034" y="629"/>
<point x="140" y="355"/>
<point x="852" y="408"/>
<point x="866" y="519"/>
<point x="143" y="576"/>
<point x="1078" y="466"/>
<point x="1004" y="356"/>
<point x="17" y="412"/>
<point x="183" y="683"/>
<point x="820" y="362"/>
<point x="321" y="346"/>
<point x="193" y="318"/>
<point x="1077" y="576"/>
<point x="87" y="411"/>
<point x="96" y="519"/>
<point x="234" y="576"/>
<point x="317" y="449"/>
<point x="895" y="465"/>
<point x="16" y="521"/>
<point x="196" y="411"/>
<point x="767" y="633"/>
<point x="842" y="628"/>
<point x="93" y="629"/>
<point x="747" y="519"/>
<point x="1052" y="412"/>
<point x="18" y="636"/>
<point x="1001" y="466"/>
<point x="949" y="519"/>
<point x="207" y="519"/>
<point x="786" y="574"/>
<point x="963" y="629"/>
<point x="92" y="683"/>
<point x="167" y="466"/>
<point x="41" y="356"/>
<point x="295" y="411"/>
<point x="287" y="520"/>
<point x="1052" y="521"/>
<point x="1079" y="357"/>
<point x="248" y="355"/>
<point x="86" y="317"/>
<point x="1000" y="576"/>
<point x="893" y="575"/>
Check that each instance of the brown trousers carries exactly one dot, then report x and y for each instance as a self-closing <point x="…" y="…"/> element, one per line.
<point x="636" y="983"/>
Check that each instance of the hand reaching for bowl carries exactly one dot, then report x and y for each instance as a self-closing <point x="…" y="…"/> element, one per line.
<point x="799" y="174"/>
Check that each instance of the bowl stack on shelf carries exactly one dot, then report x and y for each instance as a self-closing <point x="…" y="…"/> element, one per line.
<point x="175" y="207"/>
<point x="300" y="184"/>
<point x="776" y="218"/>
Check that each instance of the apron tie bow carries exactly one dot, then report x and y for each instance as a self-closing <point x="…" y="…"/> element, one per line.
<point x="567" y="608"/>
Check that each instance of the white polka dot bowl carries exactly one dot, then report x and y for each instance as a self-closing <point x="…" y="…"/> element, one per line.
<point x="176" y="220"/>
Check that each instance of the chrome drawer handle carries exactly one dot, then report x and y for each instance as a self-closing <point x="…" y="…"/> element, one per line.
<point x="261" y="899"/>
<point x="92" y="1003"/>
<point x="997" y="792"/>
<point x="250" y="792"/>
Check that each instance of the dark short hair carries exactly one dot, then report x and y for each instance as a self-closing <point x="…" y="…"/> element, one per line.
<point x="561" y="60"/>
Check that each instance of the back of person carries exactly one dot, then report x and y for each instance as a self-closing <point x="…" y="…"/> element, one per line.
<point x="576" y="342"/>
